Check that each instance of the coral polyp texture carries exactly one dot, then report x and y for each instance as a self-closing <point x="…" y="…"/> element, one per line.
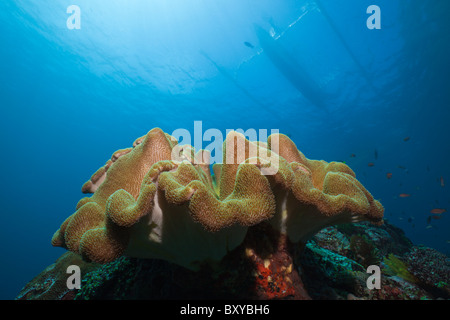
<point x="146" y="204"/>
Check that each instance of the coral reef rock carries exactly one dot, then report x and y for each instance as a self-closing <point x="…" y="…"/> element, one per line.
<point x="51" y="283"/>
<point x="266" y="266"/>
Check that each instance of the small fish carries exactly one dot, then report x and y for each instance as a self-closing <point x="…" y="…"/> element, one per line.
<point x="376" y="154"/>
<point x="404" y="195"/>
<point x="248" y="44"/>
<point x="389" y="175"/>
<point x="371" y="164"/>
<point x="438" y="211"/>
<point x="401" y="167"/>
<point x="442" y="182"/>
<point x="429" y="220"/>
<point x="410" y="220"/>
<point x="428" y="168"/>
<point x="429" y="227"/>
<point x="406" y="139"/>
<point x="352" y="155"/>
<point x="436" y="217"/>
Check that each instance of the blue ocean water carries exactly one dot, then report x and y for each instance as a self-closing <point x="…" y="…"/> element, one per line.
<point x="311" y="69"/>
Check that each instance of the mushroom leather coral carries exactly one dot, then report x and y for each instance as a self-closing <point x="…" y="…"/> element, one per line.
<point x="146" y="205"/>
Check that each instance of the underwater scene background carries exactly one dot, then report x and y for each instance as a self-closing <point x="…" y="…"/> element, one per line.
<point x="376" y="99"/>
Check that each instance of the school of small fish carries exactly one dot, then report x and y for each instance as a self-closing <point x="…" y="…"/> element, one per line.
<point x="435" y="213"/>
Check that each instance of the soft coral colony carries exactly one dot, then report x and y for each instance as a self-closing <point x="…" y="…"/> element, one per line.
<point x="146" y="205"/>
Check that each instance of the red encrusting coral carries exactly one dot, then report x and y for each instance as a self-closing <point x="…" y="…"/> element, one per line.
<point x="275" y="272"/>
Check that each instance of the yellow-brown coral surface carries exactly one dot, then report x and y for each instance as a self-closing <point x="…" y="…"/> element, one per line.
<point x="146" y="205"/>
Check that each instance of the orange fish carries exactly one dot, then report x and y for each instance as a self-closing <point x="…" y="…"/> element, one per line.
<point x="436" y="217"/>
<point x="389" y="175"/>
<point x="442" y="182"/>
<point x="406" y="139"/>
<point x="438" y="211"/>
<point x="371" y="164"/>
<point x="404" y="195"/>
